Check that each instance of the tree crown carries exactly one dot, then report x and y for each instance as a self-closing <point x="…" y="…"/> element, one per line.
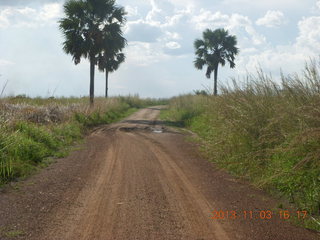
<point x="216" y="47"/>
<point x="87" y="26"/>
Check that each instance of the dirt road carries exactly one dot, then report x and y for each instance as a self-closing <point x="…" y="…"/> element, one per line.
<point x="138" y="179"/>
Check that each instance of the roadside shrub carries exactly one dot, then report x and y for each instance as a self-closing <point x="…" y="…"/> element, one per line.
<point x="68" y="133"/>
<point x="26" y="149"/>
<point x="38" y="134"/>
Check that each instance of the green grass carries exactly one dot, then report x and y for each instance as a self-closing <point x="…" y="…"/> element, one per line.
<point x="14" y="233"/>
<point x="10" y="233"/>
<point x="32" y="131"/>
<point x="264" y="132"/>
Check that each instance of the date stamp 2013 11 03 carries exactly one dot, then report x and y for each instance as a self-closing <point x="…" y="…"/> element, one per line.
<point x="258" y="214"/>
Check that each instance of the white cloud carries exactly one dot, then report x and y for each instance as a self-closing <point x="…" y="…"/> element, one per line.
<point x="184" y="3"/>
<point x="14" y="16"/>
<point x="172" y="36"/>
<point x="4" y="21"/>
<point x="131" y="11"/>
<point x="178" y="17"/>
<point x="162" y="26"/>
<point x="157" y="22"/>
<point x="155" y="15"/>
<point x="272" y="19"/>
<point x="25" y="11"/>
<point x="262" y="4"/>
<point x="50" y="12"/>
<point x="291" y="57"/>
<point x="236" y="23"/>
<point x="165" y="14"/>
<point x="249" y="50"/>
<point x="4" y="63"/>
<point x="144" y="54"/>
<point x="272" y="60"/>
<point x="30" y="17"/>
<point x="207" y="19"/>
<point x="309" y="35"/>
<point x="173" y="45"/>
<point x="256" y="38"/>
<point x="142" y="31"/>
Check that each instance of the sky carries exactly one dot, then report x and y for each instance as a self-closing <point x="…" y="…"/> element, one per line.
<point x="274" y="35"/>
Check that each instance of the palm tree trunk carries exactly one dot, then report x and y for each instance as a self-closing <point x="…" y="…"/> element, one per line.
<point x="92" y="64"/>
<point x="107" y="76"/>
<point x="215" y="89"/>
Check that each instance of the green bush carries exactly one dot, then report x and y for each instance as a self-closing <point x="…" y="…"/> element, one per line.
<point x="68" y="133"/>
<point x="38" y="134"/>
<point x="19" y="156"/>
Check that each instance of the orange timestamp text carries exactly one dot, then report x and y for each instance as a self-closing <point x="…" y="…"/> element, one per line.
<point x="257" y="214"/>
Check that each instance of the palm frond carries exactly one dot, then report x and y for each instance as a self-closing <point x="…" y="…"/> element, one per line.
<point x="118" y="15"/>
<point x="198" y="43"/>
<point x="199" y="63"/>
<point x="209" y="71"/>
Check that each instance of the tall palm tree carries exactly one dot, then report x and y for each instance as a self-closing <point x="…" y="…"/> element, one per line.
<point x="110" y="63"/>
<point x="111" y="56"/>
<point x="83" y="30"/>
<point x="216" y="47"/>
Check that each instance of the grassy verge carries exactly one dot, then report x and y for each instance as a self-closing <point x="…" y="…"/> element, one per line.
<point x="265" y="132"/>
<point x="33" y="130"/>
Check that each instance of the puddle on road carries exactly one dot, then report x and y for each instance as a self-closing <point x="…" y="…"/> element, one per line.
<point x="142" y="129"/>
<point x="157" y="131"/>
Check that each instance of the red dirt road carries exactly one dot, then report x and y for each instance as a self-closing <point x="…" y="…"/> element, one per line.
<point x="138" y="180"/>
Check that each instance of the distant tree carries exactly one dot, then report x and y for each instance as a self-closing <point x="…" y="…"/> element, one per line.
<point x="111" y="56"/>
<point x="201" y="92"/>
<point x="216" y="47"/>
<point x="84" y="28"/>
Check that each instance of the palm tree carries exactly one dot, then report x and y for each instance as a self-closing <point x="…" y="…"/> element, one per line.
<point x="216" y="47"/>
<point x="111" y="56"/>
<point x="83" y="30"/>
<point x="110" y="63"/>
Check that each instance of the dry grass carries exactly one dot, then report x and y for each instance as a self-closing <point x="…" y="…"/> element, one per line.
<point x="46" y="111"/>
<point x="33" y="129"/>
<point x="263" y="131"/>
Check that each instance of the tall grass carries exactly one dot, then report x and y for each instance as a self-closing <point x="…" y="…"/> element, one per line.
<point x="33" y="129"/>
<point x="264" y="131"/>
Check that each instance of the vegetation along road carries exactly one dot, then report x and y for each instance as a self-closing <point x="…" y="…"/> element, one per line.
<point x="138" y="179"/>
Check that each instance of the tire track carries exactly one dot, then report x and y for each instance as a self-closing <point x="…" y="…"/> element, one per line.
<point x="193" y="206"/>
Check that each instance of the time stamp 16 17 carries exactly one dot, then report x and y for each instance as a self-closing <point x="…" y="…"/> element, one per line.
<point x="259" y="214"/>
